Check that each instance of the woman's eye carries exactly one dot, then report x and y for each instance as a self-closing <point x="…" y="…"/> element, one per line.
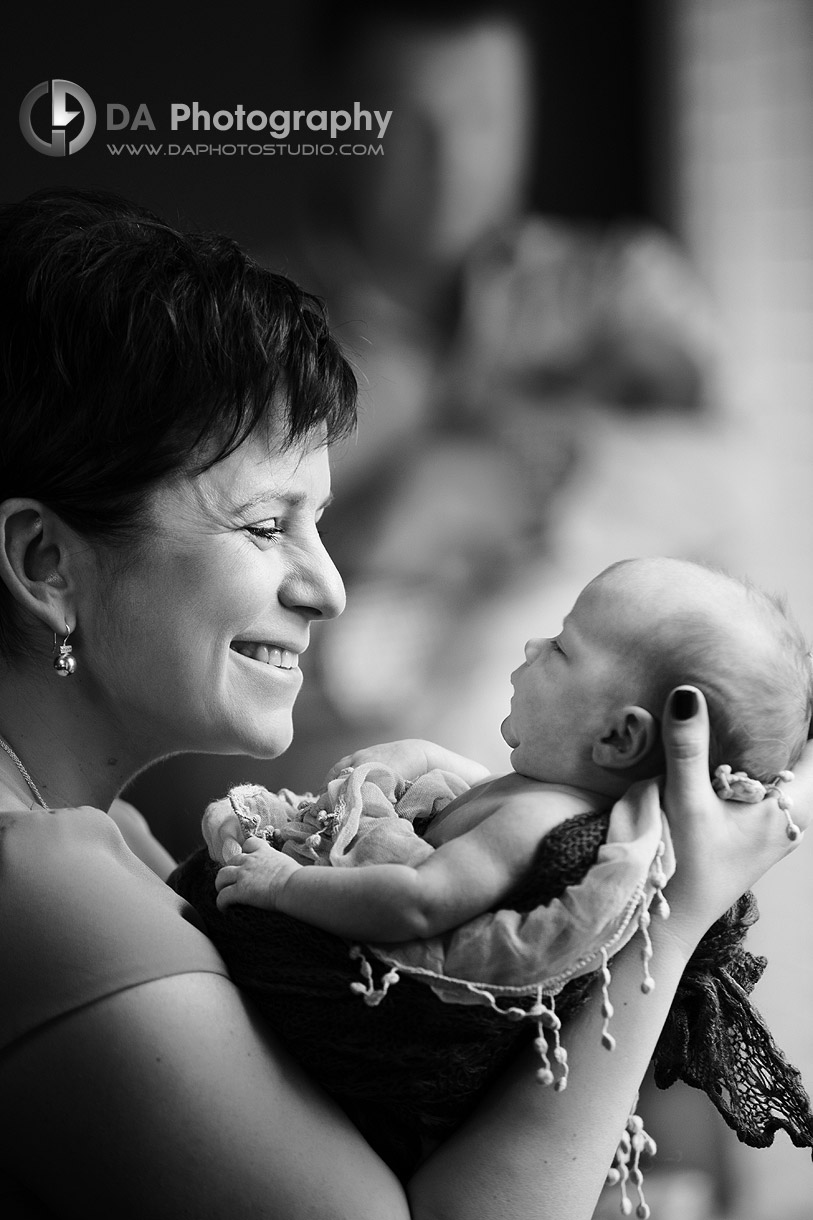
<point x="267" y="532"/>
<point x="555" y="646"/>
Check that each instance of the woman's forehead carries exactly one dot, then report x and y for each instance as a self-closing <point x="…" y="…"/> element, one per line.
<point x="255" y="475"/>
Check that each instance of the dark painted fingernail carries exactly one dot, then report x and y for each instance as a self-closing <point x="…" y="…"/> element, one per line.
<point x="684" y="703"/>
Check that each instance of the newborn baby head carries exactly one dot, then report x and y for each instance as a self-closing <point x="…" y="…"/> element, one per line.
<point x="587" y="705"/>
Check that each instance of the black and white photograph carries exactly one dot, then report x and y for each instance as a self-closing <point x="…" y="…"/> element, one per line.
<point x="406" y="610"/>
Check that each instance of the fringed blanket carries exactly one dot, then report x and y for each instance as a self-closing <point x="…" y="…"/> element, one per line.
<point x="409" y="1063"/>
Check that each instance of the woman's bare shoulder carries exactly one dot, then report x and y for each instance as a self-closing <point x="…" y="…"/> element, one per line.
<point x="136" y="832"/>
<point x="82" y="918"/>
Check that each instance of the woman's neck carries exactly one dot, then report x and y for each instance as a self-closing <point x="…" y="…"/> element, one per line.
<point x="72" y="754"/>
<point x="15" y="792"/>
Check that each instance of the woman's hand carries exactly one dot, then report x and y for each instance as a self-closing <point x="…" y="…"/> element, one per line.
<point x="255" y="877"/>
<point x="722" y="847"/>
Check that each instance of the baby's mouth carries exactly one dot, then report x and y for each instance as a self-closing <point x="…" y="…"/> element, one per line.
<point x="266" y="654"/>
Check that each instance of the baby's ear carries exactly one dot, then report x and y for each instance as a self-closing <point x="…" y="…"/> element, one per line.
<point x="630" y="735"/>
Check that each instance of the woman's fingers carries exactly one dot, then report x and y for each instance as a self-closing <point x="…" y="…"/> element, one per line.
<point x="686" y="745"/>
<point x="722" y="847"/>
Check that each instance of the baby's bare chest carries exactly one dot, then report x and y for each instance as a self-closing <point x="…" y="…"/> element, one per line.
<point x="509" y="794"/>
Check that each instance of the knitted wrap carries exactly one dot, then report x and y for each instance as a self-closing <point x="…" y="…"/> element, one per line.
<point x="408" y="1070"/>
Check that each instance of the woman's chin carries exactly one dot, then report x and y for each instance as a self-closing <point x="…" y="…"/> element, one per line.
<point x="263" y="736"/>
<point x="276" y="742"/>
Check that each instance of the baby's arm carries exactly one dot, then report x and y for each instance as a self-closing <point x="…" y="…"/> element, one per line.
<point x="394" y="902"/>
<point x="411" y="758"/>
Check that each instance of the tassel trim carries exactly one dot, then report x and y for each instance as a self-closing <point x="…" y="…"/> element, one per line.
<point x="626" y="1166"/>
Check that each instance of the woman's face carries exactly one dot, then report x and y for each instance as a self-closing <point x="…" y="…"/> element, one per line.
<point x="195" y="641"/>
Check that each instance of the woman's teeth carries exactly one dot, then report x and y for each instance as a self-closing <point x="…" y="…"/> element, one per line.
<point x="281" y="658"/>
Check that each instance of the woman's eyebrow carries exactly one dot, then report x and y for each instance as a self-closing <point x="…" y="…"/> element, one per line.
<point x="288" y="499"/>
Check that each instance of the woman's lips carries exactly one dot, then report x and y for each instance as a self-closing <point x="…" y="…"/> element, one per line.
<point x="266" y="654"/>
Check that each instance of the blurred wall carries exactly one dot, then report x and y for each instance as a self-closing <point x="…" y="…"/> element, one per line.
<point x="743" y="198"/>
<point x="264" y="55"/>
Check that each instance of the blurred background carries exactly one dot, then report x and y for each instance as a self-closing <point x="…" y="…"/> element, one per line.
<point x="577" y="287"/>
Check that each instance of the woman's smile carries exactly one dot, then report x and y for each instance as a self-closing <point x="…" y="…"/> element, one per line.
<point x="274" y="655"/>
<point x="219" y="610"/>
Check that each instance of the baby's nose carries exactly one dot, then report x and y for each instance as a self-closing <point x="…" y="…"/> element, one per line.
<point x="533" y="649"/>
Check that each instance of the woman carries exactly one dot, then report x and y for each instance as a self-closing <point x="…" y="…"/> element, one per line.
<point x="167" y="408"/>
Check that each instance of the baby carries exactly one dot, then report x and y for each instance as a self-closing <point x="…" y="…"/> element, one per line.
<point x="583" y="726"/>
<point x="518" y="885"/>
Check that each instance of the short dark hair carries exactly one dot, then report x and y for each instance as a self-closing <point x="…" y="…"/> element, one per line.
<point x="130" y="351"/>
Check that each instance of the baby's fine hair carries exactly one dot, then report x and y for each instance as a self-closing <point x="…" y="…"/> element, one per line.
<point x="760" y="701"/>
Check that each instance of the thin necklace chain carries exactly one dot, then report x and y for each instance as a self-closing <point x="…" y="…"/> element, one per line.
<point x="19" y="764"/>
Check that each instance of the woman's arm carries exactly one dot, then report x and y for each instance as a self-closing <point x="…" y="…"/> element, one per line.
<point x="551" y="1151"/>
<point x="168" y="1100"/>
<point x="554" y="1149"/>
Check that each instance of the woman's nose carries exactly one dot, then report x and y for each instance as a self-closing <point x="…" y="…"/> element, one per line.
<point x="313" y="585"/>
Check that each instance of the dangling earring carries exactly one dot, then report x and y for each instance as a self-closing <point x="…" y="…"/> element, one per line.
<point x="64" y="663"/>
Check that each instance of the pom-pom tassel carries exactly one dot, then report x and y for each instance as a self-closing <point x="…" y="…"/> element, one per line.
<point x="658" y="879"/>
<point x="607" y="1040"/>
<point x="544" y="1074"/>
<point x="641" y="1143"/>
<point x="785" y="803"/>
<point x="371" y="994"/>
<point x="626" y="1165"/>
<point x="738" y="786"/>
<point x="560" y="1055"/>
<point x="547" y="1019"/>
<point x="644" y="921"/>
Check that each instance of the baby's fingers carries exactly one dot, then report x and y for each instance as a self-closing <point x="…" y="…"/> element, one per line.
<point x="229" y="885"/>
<point x="222" y="832"/>
<point x="349" y="760"/>
<point x="226" y="876"/>
<point x="255" y="843"/>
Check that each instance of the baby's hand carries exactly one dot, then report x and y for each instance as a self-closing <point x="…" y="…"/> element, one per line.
<point x="409" y="758"/>
<point x="222" y="831"/>
<point x="255" y="877"/>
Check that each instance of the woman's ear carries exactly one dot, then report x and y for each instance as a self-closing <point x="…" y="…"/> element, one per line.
<point x="35" y="567"/>
<point x="630" y="736"/>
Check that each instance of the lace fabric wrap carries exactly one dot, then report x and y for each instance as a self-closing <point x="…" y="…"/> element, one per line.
<point x="409" y="1069"/>
<point x="715" y="1040"/>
